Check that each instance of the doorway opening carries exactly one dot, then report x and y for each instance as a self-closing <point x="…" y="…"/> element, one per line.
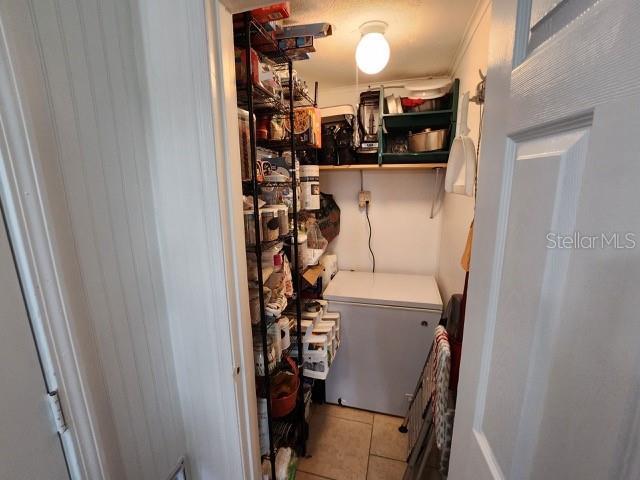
<point x="359" y="131"/>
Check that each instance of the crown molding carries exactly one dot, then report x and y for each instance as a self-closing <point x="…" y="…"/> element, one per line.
<point x="480" y="10"/>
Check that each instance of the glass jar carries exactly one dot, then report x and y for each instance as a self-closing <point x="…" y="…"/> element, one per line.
<point x="258" y="355"/>
<point x="270" y="224"/>
<point x="249" y="228"/>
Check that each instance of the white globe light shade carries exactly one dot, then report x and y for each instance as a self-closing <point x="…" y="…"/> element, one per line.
<point x="372" y="53"/>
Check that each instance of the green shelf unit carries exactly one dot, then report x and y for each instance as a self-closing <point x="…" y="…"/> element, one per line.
<point x="393" y="123"/>
<point x="417" y="120"/>
<point x="439" y="156"/>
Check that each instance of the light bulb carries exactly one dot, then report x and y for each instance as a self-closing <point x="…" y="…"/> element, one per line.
<point x="372" y="53"/>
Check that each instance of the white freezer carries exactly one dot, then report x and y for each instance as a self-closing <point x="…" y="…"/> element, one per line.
<point x="388" y="322"/>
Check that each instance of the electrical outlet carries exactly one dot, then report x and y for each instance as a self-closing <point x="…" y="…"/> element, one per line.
<point x="364" y="197"/>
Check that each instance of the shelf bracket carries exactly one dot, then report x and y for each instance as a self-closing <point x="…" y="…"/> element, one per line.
<point x="435" y="195"/>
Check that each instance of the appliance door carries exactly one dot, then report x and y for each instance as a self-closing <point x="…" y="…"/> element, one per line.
<point x="382" y="352"/>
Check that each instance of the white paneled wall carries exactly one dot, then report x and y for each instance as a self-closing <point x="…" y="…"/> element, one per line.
<point x="190" y="173"/>
<point x="77" y="74"/>
<point x="457" y="210"/>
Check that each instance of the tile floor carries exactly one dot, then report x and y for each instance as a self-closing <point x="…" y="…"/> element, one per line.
<point x="350" y="444"/>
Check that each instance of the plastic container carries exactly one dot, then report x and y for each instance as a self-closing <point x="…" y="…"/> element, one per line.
<point x="263" y="426"/>
<point x="282" y="405"/>
<point x="310" y="187"/>
<point x="285" y="332"/>
<point x="427" y="140"/>
<point x="250" y="227"/>
<point x="270" y="224"/>
<point x="274" y="335"/>
<point x="303" y="249"/>
<point x="258" y="355"/>
<point x="277" y="132"/>
<point x="254" y="303"/>
<point x="271" y="195"/>
<point x="334" y="317"/>
<point x="262" y="127"/>
<point x="315" y="355"/>
<point x="330" y="264"/>
<point x="283" y="217"/>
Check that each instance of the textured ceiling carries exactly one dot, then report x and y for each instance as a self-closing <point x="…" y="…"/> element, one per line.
<point x="424" y="36"/>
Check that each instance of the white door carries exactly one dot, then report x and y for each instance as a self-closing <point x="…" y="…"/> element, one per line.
<point x="550" y="376"/>
<point x="30" y="448"/>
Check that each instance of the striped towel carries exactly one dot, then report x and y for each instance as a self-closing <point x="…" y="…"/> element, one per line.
<point x="439" y="377"/>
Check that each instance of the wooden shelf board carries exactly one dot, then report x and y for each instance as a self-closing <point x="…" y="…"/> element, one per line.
<point x="389" y="166"/>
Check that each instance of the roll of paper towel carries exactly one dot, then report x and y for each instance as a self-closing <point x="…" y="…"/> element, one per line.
<point x="310" y="186"/>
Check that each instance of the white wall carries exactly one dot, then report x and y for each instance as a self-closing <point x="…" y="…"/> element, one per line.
<point x="405" y="239"/>
<point x="77" y="78"/>
<point x="196" y="180"/>
<point x="457" y="210"/>
<point x="118" y="100"/>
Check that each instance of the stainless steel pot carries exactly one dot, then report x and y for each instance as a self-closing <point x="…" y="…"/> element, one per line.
<point x="427" y="140"/>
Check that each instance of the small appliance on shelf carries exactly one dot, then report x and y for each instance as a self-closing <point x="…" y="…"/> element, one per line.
<point x="368" y="121"/>
<point x="337" y="135"/>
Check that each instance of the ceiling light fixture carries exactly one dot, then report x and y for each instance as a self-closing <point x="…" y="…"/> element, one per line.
<point x="372" y="52"/>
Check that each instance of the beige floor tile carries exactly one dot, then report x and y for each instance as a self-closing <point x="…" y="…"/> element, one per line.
<point x="386" y="440"/>
<point x="344" y="412"/>
<point x="339" y="448"/>
<point x="385" y="469"/>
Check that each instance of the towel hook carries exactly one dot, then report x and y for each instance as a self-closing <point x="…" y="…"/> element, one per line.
<point x="478" y="98"/>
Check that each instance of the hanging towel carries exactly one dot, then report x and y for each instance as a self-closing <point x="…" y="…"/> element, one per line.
<point x="446" y="450"/>
<point x="440" y="378"/>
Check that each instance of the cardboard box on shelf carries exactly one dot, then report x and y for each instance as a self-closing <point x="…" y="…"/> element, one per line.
<point x="307" y="126"/>
<point x="312" y="274"/>
<point x="277" y="11"/>
<point x="318" y="30"/>
<point x="268" y="16"/>
<point x="297" y="44"/>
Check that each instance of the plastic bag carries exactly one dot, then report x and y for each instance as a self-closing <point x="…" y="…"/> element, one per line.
<point x="328" y="217"/>
<point x="315" y="239"/>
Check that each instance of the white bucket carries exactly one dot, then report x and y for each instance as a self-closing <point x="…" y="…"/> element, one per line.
<point x="310" y="186"/>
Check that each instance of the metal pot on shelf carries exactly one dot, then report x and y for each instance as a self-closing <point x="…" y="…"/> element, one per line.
<point x="428" y="140"/>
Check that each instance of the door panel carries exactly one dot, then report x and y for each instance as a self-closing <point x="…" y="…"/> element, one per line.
<point x="591" y="405"/>
<point x="546" y="180"/>
<point x="29" y="445"/>
<point x="549" y="385"/>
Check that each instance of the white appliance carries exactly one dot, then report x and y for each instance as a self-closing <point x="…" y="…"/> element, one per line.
<point x="388" y="322"/>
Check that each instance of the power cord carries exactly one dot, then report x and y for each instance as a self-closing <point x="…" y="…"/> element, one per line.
<point x="366" y="209"/>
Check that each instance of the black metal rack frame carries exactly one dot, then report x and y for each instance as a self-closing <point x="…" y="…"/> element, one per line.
<point x="255" y="98"/>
